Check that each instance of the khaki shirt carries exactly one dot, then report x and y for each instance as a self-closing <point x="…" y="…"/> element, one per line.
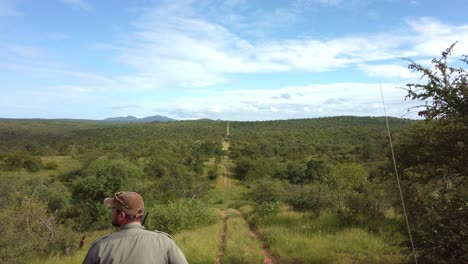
<point x="134" y="244"/>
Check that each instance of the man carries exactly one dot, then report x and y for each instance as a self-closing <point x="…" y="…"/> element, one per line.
<point x="132" y="243"/>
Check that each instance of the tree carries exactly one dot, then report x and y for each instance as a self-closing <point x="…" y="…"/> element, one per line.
<point x="345" y="179"/>
<point x="28" y="230"/>
<point x="102" y="179"/>
<point x="311" y="198"/>
<point x="295" y="172"/>
<point x="446" y="92"/>
<point x="316" y="171"/>
<point x="432" y="158"/>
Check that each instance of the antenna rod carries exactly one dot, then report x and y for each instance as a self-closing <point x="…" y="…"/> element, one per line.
<point x="398" y="177"/>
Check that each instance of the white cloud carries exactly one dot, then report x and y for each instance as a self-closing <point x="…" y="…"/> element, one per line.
<point x="389" y="71"/>
<point x="432" y="37"/>
<point x="307" y="101"/>
<point x="172" y="45"/>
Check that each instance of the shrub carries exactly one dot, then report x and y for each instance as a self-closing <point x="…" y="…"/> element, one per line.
<point x="23" y="160"/>
<point x="267" y="208"/>
<point x="185" y="214"/>
<point x="29" y="231"/>
<point x="212" y="174"/>
<point x="102" y="179"/>
<point x="308" y="198"/>
<point x="267" y="191"/>
<point x="52" y="165"/>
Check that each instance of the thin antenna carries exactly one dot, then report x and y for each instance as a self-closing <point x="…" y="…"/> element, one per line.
<point x="398" y="177"/>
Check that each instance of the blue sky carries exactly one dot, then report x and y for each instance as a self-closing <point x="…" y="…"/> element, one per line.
<point x="233" y="60"/>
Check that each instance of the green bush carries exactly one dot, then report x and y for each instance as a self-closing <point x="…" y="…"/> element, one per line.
<point x="23" y="160"/>
<point x="102" y="179"/>
<point x="29" y="231"/>
<point x="308" y="198"/>
<point x="267" y="208"/>
<point x="212" y="174"/>
<point x="185" y="214"/>
<point x="52" y="165"/>
<point x="267" y="191"/>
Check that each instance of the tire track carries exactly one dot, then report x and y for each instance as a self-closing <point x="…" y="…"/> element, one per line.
<point x="222" y="239"/>
<point x="269" y="257"/>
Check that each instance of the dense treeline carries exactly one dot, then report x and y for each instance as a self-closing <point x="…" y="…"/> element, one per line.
<point x="335" y="165"/>
<point x="334" y="139"/>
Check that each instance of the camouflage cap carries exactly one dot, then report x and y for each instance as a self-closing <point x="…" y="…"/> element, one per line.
<point x="129" y="202"/>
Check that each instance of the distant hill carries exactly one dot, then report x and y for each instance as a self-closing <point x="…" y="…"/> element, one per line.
<point x="132" y="119"/>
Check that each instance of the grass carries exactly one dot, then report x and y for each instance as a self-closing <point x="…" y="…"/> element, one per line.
<point x="200" y="245"/>
<point x="241" y="247"/>
<point x="296" y="238"/>
<point x="78" y="256"/>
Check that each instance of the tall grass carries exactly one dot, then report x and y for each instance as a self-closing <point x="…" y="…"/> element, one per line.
<point x="200" y="245"/>
<point x="298" y="238"/>
<point x="241" y="247"/>
<point x="76" y="257"/>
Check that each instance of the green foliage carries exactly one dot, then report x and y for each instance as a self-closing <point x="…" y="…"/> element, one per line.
<point x="432" y="162"/>
<point x="295" y="172"/>
<point x="440" y="228"/>
<point x="29" y="230"/>
<point x="308" y="198"/>
<point x="316" y="171"/>
<point x="346" y="179"/>
<point x="101" y="179"/>
<point x="23" y="160"/>
<point x="267" y="191"/>
<point x="341" y="139"/>
<point x="50" y="191"/>
<point x="185" y="214"/>
<point x="212" y="174"/>
<point x="446" y="92"/>
<point x="159" y="166"/>
<point x="370" y="200"/>
<point x="242" y="168"/>
<point x="52" y="165"/>
<point x="267" y="208"/>
<point x="173" y="157"/>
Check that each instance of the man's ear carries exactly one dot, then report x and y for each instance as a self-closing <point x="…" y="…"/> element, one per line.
<point x="121" y="214"/>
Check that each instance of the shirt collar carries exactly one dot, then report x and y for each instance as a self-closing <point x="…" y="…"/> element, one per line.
<point x="132" y="225"/>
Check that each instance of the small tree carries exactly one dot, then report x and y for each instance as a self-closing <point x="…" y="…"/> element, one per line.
<point x="102" y="179"/>
<point x="446" y="92"/>
<point x="346" y="179"/>
<point x="432" y="158"/>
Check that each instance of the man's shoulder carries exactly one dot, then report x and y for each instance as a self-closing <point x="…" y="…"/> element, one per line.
<point x="161" y="233"/>
<point x="128" y="234"/>
<point x="100" y="240"/>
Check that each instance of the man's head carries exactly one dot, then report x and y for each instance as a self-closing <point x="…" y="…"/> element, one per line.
<point x="126" y="207"/>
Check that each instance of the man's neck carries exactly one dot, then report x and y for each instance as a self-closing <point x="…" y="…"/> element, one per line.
<point x="128" y="222"/>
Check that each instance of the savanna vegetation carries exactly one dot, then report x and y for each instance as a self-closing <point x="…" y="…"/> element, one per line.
<point x="313" y="190"/>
